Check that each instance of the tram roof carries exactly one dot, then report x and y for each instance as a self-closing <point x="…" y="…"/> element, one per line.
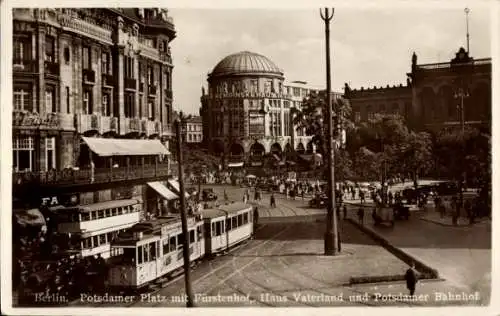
<point x="226" y="209"/>
<point x="147" y="228"/>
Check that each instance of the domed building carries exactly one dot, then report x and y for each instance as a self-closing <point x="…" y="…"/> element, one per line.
<point x="246" y="112"/>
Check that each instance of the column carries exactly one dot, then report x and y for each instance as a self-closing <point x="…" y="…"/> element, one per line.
<point x="137" y="82"/>
<point x="120" y="86"/>
<point x="41" y="70"/>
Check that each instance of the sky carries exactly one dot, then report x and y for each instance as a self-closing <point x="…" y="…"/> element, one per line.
<point x="369" y="47"/>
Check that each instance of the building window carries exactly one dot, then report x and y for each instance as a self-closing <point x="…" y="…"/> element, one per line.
<point x="151" y="77"/>
<point x="141" y="114"/>
<point x="22" y="50"/>
<point x="50" y="153"/>
<point x="151" y="110"/>
<point x="87" y="60"/>
<point x="254" y="86"/>
<point x="129" y="67"/>
<point x="268" y="87"/>
<point x="87" y="102"/>
<point x="105" y="63"/>
<point x="106" y="106"/>
<point x="22" y="99"/>
<point x="129" y="104"/>
<point x="68" y="108"/>
<point x="50" y="102"/>
<point x="357" y="117"/>
<point x="296" y="92"/>
<point x="23" y="154"/>
<point x="66" y="55"/>
<point x="49" y="49"/>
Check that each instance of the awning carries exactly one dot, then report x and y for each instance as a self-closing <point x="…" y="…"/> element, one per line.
<point x="255" y="164"/>
<point x="163" y="190"/>
<point x="175" y="184"/>
<point x="235" y="164"/>
<point x="106" y="147"/>
<point x="32" y="217"/>
<point x="306" y="157"/>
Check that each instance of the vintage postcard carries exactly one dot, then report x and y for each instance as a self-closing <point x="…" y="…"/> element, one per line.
<point x="173" y="156"/>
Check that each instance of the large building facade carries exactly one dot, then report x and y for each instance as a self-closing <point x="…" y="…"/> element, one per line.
<point x="92" y="115"/>
<point x="436" y="96"/>
<point x="247" y="110"/>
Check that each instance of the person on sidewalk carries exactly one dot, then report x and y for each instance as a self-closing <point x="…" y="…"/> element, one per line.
<point x="345" y="211"/>
<point x="361" y="215"/>
<point x="272" y="200"/>
<point x="411" y="278"/>
<point x="226" y="198"/>
<point x="362" y="196"/>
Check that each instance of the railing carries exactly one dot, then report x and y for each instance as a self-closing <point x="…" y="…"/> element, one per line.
<point x="88" y="76"/>
<point x="165" y="57"/>
<point x="152" y="90"/>
<point x="152" y="127"/>
<point x="34" y="120"/>
<point x="51" y="68"/>
<point x="24" y="65"/>
<point x="130" y="83"/>
<point x="482" y="61"/>
<point x="84" y="176"/>
<point x="108" y="80"/>
<point x="148" y="51"/>
<point x="108" y="124"/>
<point x="130" y="125"/>
<point x="87" y="122"/>
<point x="84" y="28"/>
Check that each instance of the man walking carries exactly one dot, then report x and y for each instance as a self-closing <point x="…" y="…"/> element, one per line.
<point x="411" y="279"/>
<point x="272" y="200"/>
<point x="361" y="215"/>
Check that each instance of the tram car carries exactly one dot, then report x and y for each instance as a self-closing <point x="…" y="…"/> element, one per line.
<point x="152" y="250"/>
<point x="227" y="226"/>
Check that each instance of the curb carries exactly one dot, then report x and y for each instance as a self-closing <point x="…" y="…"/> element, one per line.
<point x="384" y="278"/>
<point x="426" y="271"/>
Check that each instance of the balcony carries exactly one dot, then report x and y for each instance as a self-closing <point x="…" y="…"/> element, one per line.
<point x="130" y="125"/>
<point x="152" y="90"/>
<point x="130" y="83"/>
<point x="24" y="66"/>
<point x="168" y="93"/>
<point x="30" y="120"/>
<point x="51" y="68"/>
<point x="152" y="128"/>
<point x="71" y="177"/>
<point x="149" y="51"/>
<point x="108" y="80"/>
<point x="87" y="122"/>
<point x="100" y="223"/>
<point x="144" y="126"/>
<point x="166" y="58"/>
<point x="88" y="76"/>
<point x="108" y="124"/>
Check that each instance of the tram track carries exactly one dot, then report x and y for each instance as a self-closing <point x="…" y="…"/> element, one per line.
<point x="212" y="272"/>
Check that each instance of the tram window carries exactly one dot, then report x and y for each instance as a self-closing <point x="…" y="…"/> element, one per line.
<point x="199" y="231"/>
<point x="93" y="215"/>
<point x="228" y="224"/>
<point x="145" y="251"/>
<point x="100" y="214"/>
<point x="239" y="220"/>
<point x="115" y="212"/>
<point x="85" y="217"/>
<point x="234" y="222"/>
<point x="191" y="237"/>
<point x="213" y="229"/>
<point x="102" y="239"/>
<point x="245" y="218"/>
<point x="86" y="243"/>
<point x="180" y="240"/>
<point x="218" y="230"/>
<point x="128" y="255"/>
<point x="166" y="248"/>
<point x="152" y="251"/>
<point x="173" y="244"/>
<point x="139" y="254"/>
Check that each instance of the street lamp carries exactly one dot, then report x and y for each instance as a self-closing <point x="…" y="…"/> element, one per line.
<point x="461" y="94"/>
<point x="331" y="234"/>
<point x="180" y="131"/>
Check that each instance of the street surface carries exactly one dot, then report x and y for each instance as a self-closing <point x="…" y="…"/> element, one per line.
<point x="284" y="265"/>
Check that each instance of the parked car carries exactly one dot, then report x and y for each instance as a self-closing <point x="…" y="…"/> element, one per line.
<point x="208" y="195"/>
<point x="319" y="201"/>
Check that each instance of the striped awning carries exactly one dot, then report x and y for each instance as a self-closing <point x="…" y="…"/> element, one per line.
<point x="177" y="187"/>
<point x="106" y="147"/>
<point x="163" y="190"/>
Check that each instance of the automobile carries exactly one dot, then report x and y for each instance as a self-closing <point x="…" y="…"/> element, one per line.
<point x="208" y="195"/>
<point x="319" y="201"/>
<point x="447" y="188"/>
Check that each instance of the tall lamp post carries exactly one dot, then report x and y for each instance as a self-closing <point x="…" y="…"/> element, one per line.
<point x="179" y="129"/>
<point x="461" y="94"/>
<point x="331" y="234"/>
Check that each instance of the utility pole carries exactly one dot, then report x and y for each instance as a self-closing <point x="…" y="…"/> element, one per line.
<point x="331" y="234"/>
<point x="185" y="231"/>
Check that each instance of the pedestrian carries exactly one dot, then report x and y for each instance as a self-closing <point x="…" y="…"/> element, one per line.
<point x="226" y="198"/>
<point x="272" y="200"/>
<point x="361" y="215"/>
<point x="255" y="216"/>
<point x="411" y="278"/>
<point x="362" y="196"/>
<point x="345" y="211"/>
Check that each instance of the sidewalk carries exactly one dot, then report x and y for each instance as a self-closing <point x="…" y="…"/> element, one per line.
<point x="435" y="217"/>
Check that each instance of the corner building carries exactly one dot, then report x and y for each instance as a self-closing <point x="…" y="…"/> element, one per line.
<point x="92" y="109"/>
<point x="246" y="112"/>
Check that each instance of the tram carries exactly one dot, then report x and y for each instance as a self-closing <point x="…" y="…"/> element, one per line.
<point x="227" y="226"/>
<point x="153" y="250"/>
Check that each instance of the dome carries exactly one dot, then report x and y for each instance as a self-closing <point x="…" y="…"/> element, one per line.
<point x="244" y="63"/>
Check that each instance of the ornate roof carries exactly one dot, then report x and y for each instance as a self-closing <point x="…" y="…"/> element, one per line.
<point x="244" y="63"/>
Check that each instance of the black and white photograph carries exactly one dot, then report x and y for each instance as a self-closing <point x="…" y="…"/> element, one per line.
<point x="321" y="155"/>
